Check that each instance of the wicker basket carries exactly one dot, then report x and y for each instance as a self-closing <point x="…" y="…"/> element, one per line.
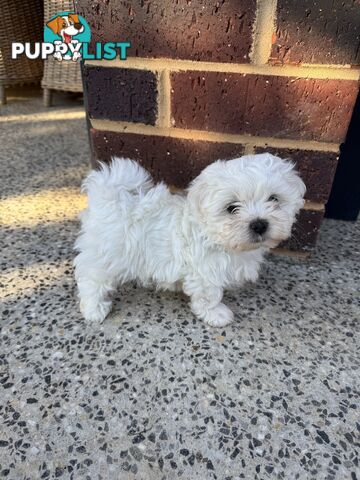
<point x="63" y="75"/>
<point x="20" y="21"/>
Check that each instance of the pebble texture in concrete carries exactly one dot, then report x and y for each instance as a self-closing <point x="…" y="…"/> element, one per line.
<point x="154" y="393"/>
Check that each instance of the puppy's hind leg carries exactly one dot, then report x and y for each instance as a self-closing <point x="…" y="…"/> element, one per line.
<point x="206" y="302"/>
<point x="95" y="286"/>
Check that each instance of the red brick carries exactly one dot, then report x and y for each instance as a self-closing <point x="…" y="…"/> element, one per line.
<point x="316" y="168"/>
<point x="264" y="105"/>
<point x="305" y="231"/>
<point x="317" y="32"/>
<point x="196" y="30"/>
<point x="173" y="160"/>
<point x="121" y="94"/>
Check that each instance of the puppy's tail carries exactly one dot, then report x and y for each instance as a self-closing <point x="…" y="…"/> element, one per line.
<point x="118" y="179"/>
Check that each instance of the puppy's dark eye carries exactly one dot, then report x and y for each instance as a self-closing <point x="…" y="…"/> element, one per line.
<point x="273" y="198"/>
<point x="233" y="208"/>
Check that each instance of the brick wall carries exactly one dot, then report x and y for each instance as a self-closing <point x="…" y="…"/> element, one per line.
<point x="217" y="79"/>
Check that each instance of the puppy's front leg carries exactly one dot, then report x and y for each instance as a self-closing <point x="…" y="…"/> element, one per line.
<point x="95" y="303"/>
<point x="95" y="286"/>
<point x="205" y="301"/>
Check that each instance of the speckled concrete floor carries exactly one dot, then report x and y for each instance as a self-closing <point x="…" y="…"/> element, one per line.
<point x="153" y="393"/>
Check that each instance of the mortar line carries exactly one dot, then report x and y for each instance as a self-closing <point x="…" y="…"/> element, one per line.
<point x="264" y="27"/>
<point x="188" y="134"/>
<point x="249" y="149"/>
<point x="335" y="72"/>
<point x="290" y="253"/>
<point x="314" y="206"/>
<point x="164" y="99"/>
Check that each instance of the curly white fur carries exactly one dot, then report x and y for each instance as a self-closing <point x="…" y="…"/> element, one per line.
<point x="201" y="242"/>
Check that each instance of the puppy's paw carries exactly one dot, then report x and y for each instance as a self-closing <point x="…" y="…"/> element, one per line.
<point x="76" y="56"/>
<point x="58" y="56"/>
<point x="219" y="316"/>
<point x="95" y="312"/>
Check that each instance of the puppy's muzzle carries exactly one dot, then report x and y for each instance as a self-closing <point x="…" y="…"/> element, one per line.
<point x="259" y="226"/>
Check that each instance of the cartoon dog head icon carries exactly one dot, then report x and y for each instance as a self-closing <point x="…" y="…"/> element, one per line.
<point x="67" y="26"/>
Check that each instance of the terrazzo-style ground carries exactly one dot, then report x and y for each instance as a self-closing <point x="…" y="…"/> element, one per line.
<point x="154" y="394"/>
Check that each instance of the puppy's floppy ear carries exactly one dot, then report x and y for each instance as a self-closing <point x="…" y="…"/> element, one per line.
<point x="74" y="18"/>
<point x="286" y="169"/>
<point x="202" y="189"/>
<point x="295" y="179"/>
<point x="296" y="186"/>
<point x="55" y="24"/>
<point x="196" y="195"/>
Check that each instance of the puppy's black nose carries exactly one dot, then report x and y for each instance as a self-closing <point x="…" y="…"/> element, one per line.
<point x="78" y="26"/>
<point x="259" y="226"/>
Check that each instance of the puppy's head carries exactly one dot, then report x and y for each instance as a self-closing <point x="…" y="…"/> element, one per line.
<point x="68" y="25"/>
<point x="247" y="203"/>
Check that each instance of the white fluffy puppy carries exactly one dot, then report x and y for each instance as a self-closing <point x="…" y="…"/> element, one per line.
<point x="210" y="239"/>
